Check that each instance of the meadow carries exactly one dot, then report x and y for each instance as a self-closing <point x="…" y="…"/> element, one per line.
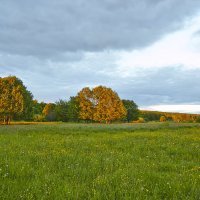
<point x="91" y="161"/>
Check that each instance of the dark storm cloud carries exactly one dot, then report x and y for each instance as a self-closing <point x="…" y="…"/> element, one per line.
<point x="51" y="28"/>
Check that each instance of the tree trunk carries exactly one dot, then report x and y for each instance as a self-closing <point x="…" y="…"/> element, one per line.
<point x="7" y="120"/>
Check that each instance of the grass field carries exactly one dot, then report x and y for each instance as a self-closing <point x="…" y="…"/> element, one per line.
<point x="71" y="161"/>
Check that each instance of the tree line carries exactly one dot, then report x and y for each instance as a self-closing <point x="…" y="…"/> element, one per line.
<point x="169" y="116"/>
<point x="98" y="104"/>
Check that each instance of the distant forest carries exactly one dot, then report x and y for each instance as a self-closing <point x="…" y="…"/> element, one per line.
<point x="99" y="104"/>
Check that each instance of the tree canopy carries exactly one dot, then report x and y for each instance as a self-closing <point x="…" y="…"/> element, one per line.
<point x="132" y="110"/>
<point x="49" y="112"/>
<point x="100" y="104"/>
<point x="15" y="99"/>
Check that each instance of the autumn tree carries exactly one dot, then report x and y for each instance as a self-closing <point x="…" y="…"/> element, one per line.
<point x="132" y="110"/>
<point x="100" y="104"/>
<point x="49" y="112"/>
<point x="163" y="119"/>
<point x="15" y="99"/>
<point x="86" y="104"/>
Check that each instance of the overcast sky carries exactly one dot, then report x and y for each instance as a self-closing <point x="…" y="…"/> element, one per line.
<point x="146" y="50"/>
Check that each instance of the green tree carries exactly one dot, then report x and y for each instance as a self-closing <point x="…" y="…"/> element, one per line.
<point x="37" y="111"/>
<point x="198" y="119"/>
<point x="15" y="99"/>
<point x="61" y="111"/>
<point x="38" y="107"/>
<point x="73" y="109"/>
<point x="132" y="110"/>
<point x="150" y="115"/>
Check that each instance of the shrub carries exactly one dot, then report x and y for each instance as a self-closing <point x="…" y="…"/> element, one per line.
<point x="198" y="119"/>
<point x="140" y="120"/>
<point x="163" y="119"/>
<point x="39" y="118"/>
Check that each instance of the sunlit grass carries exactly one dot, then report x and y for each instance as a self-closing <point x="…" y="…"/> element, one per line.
<point x="34" y="123"/>
<point x="70" y="161"/>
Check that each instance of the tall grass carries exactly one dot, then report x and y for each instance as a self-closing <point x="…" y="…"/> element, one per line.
<point x="70" y="161"/>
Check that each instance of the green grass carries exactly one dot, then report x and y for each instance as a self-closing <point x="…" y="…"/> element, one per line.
<point x="70" y="161"/>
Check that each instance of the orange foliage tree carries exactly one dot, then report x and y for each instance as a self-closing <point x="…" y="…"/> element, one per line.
<point x="15" y="99"/>
<point x="100" y="104"/>
<point x="49" y="111"/>
<point x="163" y="119"/>
<point x="86" y="104"/>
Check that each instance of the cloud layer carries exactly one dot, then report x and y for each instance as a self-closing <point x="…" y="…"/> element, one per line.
<point x="145" y="50"/>
<point x="49" y="27"/>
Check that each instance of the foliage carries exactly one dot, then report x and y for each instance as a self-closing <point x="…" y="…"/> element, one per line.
<point x="38" y="118"/>
<point x="74" y="161"/>
<point x="86" y="104"/>
<point x="163" y="119"/>
<point x="61" y="111"/>
<point x="15" y="99"/>
<point x="176" y="117"/>
<point x="73" y="109"/>
<point x="198" y="119"/>
<point x="38" y="107"/>
<point x="132" y="110"/>
<point x="100" y="104"/>
<point x="49" y="112"/>
<point x="151" y="115"/>
<point x="67" y="110"/>
<point x="140" y="120"/>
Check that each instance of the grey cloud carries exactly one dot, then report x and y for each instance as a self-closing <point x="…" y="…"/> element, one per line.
<point x="58" y="47"/>
<point x="170" y="85"/>
<point x="52" y="80"/>
<point x="49" y="28"/>
<point x="166" y="85"/>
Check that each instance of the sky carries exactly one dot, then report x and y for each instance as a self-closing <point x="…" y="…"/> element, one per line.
<point x="146" y="50"/>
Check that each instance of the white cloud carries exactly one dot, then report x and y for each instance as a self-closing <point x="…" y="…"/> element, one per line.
<point x="174" y="108"/>
<point x="176" y="49"/>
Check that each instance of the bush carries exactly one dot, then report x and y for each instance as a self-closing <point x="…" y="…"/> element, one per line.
<point x="198" y="119"/>
<point x="140" y="120"/>
<point x="163" y="119"/>
<point x="39" y="118"/>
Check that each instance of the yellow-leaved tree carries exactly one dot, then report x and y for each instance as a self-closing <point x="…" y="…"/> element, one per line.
<point x="85" y="101"/>
<point x="100" y="104"/>
<point x="49" y="112"/>
<point x="163" y="119"/>
<point x="14" y="98"/>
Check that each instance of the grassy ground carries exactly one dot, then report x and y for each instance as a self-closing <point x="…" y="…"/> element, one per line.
<point x="70" y="161"/>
